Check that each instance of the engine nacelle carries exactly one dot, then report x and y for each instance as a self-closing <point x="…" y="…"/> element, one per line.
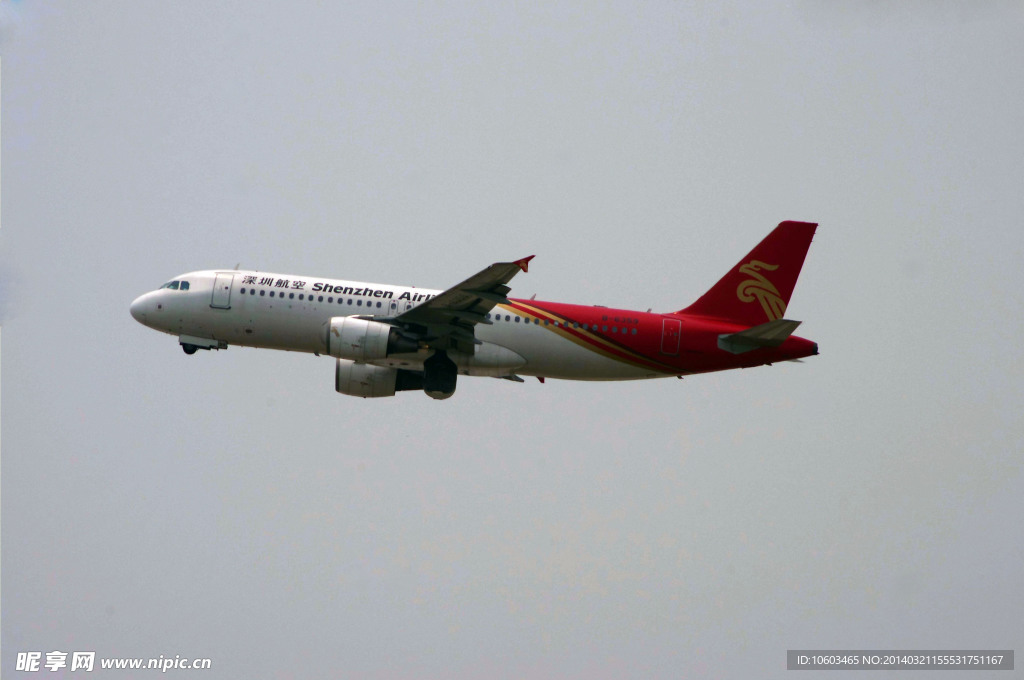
<point x="363" y="340"/>
<point x="367" y="380"/>
<point x="364" y="380"/>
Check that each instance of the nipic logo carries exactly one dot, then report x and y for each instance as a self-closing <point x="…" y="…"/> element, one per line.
<point x="761" y="289"/>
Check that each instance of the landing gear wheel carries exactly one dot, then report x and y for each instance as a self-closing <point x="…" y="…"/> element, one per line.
<point x="439" y="376"/>
<point x="189" y="349"/>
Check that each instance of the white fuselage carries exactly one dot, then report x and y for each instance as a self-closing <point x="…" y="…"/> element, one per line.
<point x="293" y="313"/>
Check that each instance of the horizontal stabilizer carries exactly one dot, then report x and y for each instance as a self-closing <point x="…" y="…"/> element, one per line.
<point x="771" y="334"/>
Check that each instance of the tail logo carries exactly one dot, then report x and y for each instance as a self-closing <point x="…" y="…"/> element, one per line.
<point x="761" y="289"/>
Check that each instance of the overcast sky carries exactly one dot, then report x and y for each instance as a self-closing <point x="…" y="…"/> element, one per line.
<point x="231" y="505"/>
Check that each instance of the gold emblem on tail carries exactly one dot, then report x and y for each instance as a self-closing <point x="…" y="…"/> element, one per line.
<point x="762" y="289"/>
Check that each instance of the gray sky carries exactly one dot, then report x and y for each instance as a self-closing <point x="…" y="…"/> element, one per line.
<point x="230" y="505"/>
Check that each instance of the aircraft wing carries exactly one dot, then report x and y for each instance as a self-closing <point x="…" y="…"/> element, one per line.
<point x="446" y="321"/>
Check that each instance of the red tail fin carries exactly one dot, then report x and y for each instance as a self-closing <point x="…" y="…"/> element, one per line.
<point x="758" y="288"/>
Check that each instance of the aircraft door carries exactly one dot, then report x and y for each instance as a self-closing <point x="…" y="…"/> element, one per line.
<point x="222" y="291"/>
<point x="671" y="331"/>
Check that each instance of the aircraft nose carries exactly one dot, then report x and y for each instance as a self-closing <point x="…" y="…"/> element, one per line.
<point x="140" y="306"/>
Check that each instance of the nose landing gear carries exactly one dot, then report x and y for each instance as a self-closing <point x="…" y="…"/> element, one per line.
<point x="190" y="343"/>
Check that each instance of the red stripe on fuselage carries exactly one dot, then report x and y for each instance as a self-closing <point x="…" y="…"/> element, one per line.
<point x="698" y="350"/>
<point x="621" y="344"/>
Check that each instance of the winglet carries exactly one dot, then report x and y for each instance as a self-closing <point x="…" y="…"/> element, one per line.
<point x="524" y="263"/>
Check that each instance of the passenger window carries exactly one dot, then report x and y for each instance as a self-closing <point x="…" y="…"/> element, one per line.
<point x="291" y="296"/>
<point x="271" y="293"/>
<point x="262" y="293"/>
<point x="604" y="328"/>
<point x="252" y="291"/>
<point x="301" y="297"/>
<point x="359" y="303"/>
<point x="517" y="319"/>
<point x="330" y="299"/>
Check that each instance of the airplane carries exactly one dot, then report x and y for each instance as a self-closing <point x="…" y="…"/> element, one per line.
<point x="387" y="338"/>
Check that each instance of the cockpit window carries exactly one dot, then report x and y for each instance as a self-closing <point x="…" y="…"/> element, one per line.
<point x="176" y="285"/>
<point x="184" y="285"/>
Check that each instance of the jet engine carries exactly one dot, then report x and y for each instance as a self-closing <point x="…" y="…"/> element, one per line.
<point x="362" y="340"/>
<point x="367" y="380"/>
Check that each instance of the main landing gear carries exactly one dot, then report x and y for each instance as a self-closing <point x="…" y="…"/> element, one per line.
<point x="439" y="376"/>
